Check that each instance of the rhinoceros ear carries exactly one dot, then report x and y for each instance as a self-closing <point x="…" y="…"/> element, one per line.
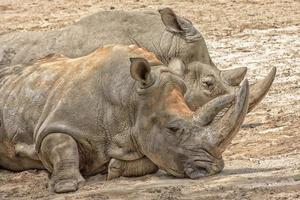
<point x="179" y="25"/>
<point x="177" y="66"/>
<point x="140" y="70"/>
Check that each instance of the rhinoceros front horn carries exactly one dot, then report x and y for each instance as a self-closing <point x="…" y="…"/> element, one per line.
<point x="260" y="89"/>
<point x="234" y="76"/>
<point x="220" y="128"/>
<point x="224" y="129"/>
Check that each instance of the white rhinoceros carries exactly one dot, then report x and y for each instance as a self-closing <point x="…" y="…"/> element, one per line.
<point x="116" y="105"/>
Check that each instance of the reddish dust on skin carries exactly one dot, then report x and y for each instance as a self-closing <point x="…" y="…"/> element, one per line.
<point x="100" y="54"/>
<point x="176" y="104"/>
<point x="146" y="54"/>
<point x="53" y="58"/>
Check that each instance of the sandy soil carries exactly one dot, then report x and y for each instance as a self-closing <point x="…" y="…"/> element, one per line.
<point x="263" y="161"/>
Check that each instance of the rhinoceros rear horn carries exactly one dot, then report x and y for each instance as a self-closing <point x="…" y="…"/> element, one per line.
<point x="140" y="70"/>
<point x="179" y="25"/>
<point x="234" y="76"/>
<point x="260" y="89"/>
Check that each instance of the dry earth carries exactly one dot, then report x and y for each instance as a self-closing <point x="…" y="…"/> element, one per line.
<point x="263" y="161"/>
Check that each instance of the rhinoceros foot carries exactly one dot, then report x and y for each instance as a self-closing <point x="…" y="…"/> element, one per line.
<point x="59" y="153"/>
<point x="115" y="169"/>
<point x="66" y="185"/>
<point x="63" y="181"/>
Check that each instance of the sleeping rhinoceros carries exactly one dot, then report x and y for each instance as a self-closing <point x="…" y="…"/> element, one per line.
<point x="164" y="33"/>
<point x="119" y="103"/>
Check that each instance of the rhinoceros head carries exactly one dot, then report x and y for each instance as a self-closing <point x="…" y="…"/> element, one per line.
<point x="182" y="142"/>
<point x="204" y="80"/>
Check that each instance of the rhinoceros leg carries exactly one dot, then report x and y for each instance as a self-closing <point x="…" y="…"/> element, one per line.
<point x="139" y="167"/>
<point x="59" y="154"/>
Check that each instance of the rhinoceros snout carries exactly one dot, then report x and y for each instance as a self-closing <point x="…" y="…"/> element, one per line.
<point x="200" y="167"/>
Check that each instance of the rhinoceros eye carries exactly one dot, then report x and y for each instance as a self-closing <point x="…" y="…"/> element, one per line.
<point x="176" y="127"/>
<point x="173" y="129"/>
<point x="176" y="131"/>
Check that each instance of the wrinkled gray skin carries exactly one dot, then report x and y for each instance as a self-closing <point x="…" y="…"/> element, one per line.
<point x="170" y="37"/>
<point x="76" y="116"/>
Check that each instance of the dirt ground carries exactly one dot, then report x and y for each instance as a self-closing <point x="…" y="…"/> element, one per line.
<point x="263" y="161"/>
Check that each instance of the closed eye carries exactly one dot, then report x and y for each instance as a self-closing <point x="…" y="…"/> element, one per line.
<point x="173" y="129"/>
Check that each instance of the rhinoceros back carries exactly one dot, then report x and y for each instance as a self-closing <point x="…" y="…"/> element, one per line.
<point x="24" y="94"/>
<point x="83" y="37"/>
<point x="30" y="95"/>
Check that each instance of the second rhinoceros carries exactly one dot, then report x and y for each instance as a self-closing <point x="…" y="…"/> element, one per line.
<point x="172" y="38"/>
<point x="119" y="103"/>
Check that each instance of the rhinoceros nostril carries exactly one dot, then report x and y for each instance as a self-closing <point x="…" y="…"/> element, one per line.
<point x="189" y="170"/>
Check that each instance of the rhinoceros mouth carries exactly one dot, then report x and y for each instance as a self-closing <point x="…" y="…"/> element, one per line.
<point x="200" y="167"/>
